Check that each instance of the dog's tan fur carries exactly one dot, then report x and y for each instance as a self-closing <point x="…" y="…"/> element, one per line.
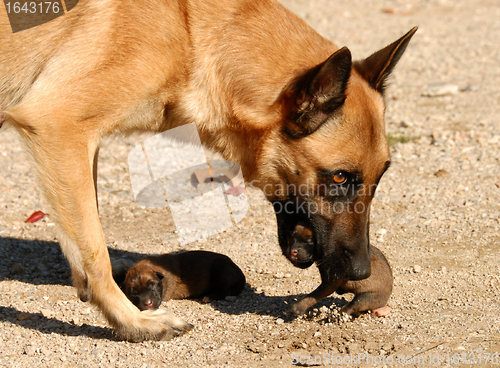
<point x="122" y="66"/>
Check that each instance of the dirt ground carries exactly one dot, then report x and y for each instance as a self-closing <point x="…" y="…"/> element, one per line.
<point x="436" y="216"/>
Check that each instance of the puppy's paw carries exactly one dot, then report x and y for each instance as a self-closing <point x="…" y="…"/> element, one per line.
<point x="381" y="312"/>
<point x="300" y="308"/>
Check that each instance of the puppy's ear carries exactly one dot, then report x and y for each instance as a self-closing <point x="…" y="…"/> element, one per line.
<point x="310" y="100"/>
<point x="377" y="67"/>
<point x="159" y="275"/>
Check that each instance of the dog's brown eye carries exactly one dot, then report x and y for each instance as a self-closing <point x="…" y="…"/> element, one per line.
<point x="340" y="177"/>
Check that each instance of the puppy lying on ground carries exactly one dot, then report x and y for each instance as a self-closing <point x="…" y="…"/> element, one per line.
<point x="179" y="276"/>
<point x="370" y="294"/>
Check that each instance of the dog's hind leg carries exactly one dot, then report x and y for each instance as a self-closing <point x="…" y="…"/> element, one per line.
<point x="363" y="302"/>
<point x="63" y="154"/>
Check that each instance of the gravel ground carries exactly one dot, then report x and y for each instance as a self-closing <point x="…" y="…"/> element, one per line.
<point x="436" y="217"/>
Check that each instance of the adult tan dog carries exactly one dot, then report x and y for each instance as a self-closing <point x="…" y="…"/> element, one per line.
<point x="264" y="89"/>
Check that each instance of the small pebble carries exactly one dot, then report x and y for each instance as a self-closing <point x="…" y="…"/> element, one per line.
<point x="29" y="350"/>
<point x="441" y="173"/>
<point x="441" y="89"/>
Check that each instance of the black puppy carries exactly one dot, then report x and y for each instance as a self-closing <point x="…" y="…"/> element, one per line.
<point x="370" y="294"/>
<point x="183" y="275"/>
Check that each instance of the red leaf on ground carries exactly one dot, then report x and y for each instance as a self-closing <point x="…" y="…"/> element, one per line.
<point x="36" y="216"/>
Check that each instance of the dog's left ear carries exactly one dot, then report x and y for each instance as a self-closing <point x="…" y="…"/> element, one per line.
<point x="377" y="67"/>
<point x="313" y="97"/>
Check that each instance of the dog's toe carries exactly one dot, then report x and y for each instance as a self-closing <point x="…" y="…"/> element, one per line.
<point x="172" y="326"/>
<point x="187" y="328"/>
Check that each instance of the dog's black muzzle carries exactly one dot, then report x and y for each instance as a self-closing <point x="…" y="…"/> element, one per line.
<point x="341" y="241"/>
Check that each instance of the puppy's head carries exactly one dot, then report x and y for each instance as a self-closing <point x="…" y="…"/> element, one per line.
<point x="143" y="286"/>
<point x="322" y="167"/>
<point x="300" y="250"/>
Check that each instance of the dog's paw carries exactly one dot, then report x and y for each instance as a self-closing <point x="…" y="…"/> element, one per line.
<point x="168" y="318"/>
<point x="156" y="324"/>
<point x="381" y="312"/>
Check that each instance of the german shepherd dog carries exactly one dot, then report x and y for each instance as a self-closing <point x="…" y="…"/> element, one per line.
<point x="264" y="89"/>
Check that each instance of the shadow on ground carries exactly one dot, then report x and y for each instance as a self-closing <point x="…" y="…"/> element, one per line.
<point x="42" y="263"/>
<point x="276" y="306"/>
<point x="36" y="321"/>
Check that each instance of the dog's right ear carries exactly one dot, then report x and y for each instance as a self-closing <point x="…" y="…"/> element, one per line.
<point x="159" y="275"/>
<point x="310" y="100"/>
<point x="376" y="68"/>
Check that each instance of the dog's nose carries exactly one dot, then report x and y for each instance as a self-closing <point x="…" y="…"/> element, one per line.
<point x="294" y="252"/>
<point x="149" y="304"/>
<point x="360" y="273"/>
<point x="360" y="267"/>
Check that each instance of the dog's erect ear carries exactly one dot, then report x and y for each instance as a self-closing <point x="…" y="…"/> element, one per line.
<point x="377" y="67"/>
<point x="159" y="275"/>
<point x="310" y="100"/>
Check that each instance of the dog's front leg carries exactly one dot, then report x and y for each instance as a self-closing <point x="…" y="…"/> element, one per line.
<point x="321" y="292"/>
<point x="65" y="163"/>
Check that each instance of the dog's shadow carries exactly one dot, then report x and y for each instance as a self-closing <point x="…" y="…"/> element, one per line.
<point x="249" y="301"/>
<point x="47" y="325"/>
<point x="42" y="263"/>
